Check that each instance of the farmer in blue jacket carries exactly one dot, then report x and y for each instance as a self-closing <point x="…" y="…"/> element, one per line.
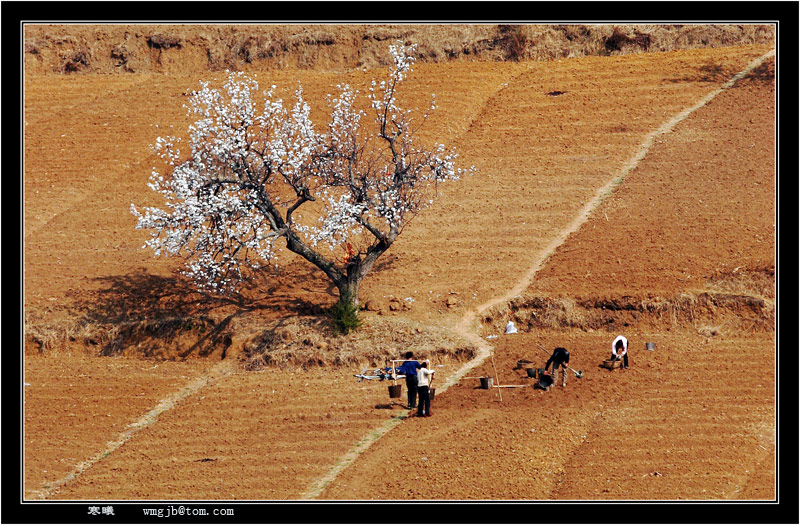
<point x="409" y="369"/>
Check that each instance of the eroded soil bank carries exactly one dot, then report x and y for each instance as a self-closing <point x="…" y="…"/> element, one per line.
<point x="685" y="422"/>
<point x="145" y="48"/>
<point x="693" y="419"/>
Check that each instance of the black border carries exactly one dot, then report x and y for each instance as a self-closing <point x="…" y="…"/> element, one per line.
<point x="785" y="13"/>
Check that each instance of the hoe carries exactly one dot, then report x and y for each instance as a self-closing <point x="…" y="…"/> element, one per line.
<point x="577" y="373"/>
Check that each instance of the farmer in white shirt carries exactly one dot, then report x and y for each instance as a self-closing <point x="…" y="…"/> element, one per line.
<point x="619" y="350"/>
<point x="424" y="380"/>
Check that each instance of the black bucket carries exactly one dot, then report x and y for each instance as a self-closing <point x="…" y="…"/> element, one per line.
<point x="545" y="381"/>
<point x="532" y="372"/>
<point x="486" y="383"/>
<point x="395" y="390"/>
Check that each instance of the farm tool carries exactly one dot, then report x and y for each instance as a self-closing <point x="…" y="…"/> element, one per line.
<point x="383" y="374"/>
<point x="578" y="373"/>
<point x="380" y="374"/>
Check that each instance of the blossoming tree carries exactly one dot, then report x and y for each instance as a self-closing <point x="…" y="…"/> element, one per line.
<point x="249" y="175"/>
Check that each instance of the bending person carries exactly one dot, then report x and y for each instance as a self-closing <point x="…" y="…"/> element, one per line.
<point x="560" y="358"/>
<point x="619" y="350"/>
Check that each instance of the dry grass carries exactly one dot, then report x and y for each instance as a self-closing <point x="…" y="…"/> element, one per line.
<point x="167" y="338"/>
<point x="758" y="281"/>
<point x="706" y="312"/>
<point x="710" y="331"/>
<point x="53" y="334"/>
<point x="311" y="341"/>
<point x="295" y="342"/>
<point x="198" y="48"/>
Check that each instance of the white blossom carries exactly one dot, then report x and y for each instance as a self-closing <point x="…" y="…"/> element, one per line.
<point x="252" y="167"/>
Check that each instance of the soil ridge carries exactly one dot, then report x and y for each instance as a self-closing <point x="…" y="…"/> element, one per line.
<point x="219" y="371"/>
<point x="165" y="48"/>
<point x="740" y="312"/>
<point x="468" y="326"/>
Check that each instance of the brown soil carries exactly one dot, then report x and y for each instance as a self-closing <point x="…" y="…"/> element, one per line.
<point x="75" y="404"/>
<point x="198" y="48"/>
<point x="683" y="423"/>
<point x="694" y="419"/>
<point x="697" y="215"/>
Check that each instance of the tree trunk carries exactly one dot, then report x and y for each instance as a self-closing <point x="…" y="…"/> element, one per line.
<point x="349" y="280"/>
<point x="357" y="269"/>
<point x="348" y="287"/>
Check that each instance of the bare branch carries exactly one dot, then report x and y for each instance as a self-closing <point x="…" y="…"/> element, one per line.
<point x="225" y="200"/>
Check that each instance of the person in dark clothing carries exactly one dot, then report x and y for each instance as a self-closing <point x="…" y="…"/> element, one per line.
<point x="560" y="358"/>
<point x="409" y="369"/>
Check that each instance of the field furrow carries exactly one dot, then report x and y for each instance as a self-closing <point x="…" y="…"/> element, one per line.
<point x="693" y="419"/>
<point x="730" y="375"/>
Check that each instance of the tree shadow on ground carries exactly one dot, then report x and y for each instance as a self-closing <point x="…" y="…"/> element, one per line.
<point x="153" y="312"/>
<point x="141" y="296"/>
<point x="763" y="74"/>
<point x="711" y="72"/>
<point x="386" y="262"/>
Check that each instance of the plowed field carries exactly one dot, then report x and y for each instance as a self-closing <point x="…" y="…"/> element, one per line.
<point x="695" y="207"/>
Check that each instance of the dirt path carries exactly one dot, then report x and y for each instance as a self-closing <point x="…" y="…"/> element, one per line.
<point x="467" y="328"/>
<point x="548" y="159"/>
<point x="220" y="370"/>
<point x="674" y="437"/>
